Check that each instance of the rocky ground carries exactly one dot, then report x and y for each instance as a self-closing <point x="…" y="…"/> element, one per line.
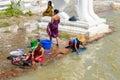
<point x="7" y="70"/>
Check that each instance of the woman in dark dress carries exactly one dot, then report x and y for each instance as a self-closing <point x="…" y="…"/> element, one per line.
<point x="52" y="28"/>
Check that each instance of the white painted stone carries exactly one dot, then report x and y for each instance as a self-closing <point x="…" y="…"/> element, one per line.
<point x="4" y="4"/>
<point x="88" y="22"/>
<point x="63" y="15"/>
<point x="33" y="6"/>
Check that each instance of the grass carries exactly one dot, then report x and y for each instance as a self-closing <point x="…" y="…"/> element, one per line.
<point x="7" y="31"/>
<point x="4" y="24"/>
<point x="64" y="35"/>
<point x="29" y="13"/>
<point x="2" y="14"/>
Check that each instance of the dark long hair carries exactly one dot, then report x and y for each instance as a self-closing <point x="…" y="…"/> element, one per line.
<point x="49" y="3"/>
<point x="39" y="46"/>
<point x="56" y="11"/>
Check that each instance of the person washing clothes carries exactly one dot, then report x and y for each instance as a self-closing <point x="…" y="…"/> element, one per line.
<point x="77" y="42"/>
<point x="37" y="54"/>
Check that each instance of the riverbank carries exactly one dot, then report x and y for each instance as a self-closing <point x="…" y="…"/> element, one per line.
<point x="57" y="53"/>
<point x="16" y="71"/>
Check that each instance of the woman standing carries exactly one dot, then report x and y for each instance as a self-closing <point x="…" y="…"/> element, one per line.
<point x="52" y="28"/>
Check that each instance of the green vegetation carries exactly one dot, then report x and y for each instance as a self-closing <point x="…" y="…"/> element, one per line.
<point x="2" y="14"/>
<point x="64" y="35"/>
<point x="29" y="13"/>
<point x="34" y="31"/>
<point x="4" y="24"/>
<point x="7" y="31"/>
<point x="14" y="9"/>
<point x="12" y="12"/>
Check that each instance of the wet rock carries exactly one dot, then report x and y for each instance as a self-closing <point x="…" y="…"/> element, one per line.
<point x="26" y="24"/>
<point x="9" y="45"/>
<point x="89" y="67"/>
<point x="31" y="26"/>
<point x="14" y="28"/>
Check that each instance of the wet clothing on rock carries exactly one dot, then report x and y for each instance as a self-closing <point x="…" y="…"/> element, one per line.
<point x="22" y="60"/>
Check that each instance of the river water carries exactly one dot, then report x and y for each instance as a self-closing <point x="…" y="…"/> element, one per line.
<point x="99" y="62"/>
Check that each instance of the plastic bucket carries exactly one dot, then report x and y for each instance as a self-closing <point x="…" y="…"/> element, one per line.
<point x="33" y="43"/>
<point x="46" y="44"/>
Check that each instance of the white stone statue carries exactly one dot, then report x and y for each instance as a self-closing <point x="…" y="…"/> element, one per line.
<point x="87" y="21"/>
<point x="83" y="10"/>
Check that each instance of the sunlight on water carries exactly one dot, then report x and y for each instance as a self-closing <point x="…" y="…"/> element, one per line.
<point x="99" y="62"/>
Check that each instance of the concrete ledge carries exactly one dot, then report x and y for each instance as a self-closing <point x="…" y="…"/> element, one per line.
<point x="4" y="4"/>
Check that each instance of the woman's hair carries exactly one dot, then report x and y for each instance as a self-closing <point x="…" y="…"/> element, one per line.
<point x="50" y="3"/>
<point x="39" y="46"/>
<point x="56" y="11"/>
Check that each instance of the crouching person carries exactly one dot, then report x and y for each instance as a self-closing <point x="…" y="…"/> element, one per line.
<point x="28" y="59"/>
<point x="77" y="42"/>
<point x="23" y="60"/>
<point x="37" y="54"/>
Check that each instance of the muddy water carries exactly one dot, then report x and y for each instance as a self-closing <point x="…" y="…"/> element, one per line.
<point x="99" y="62"/>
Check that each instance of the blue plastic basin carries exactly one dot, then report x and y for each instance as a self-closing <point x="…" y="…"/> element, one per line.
<point x="46" y="44"/>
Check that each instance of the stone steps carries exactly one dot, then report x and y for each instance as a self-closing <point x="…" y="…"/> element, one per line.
<point x="33" y="6"/>
<point x="4" y="4"/>
<point x="65" y="28"/>
<point x="75" y="27"/>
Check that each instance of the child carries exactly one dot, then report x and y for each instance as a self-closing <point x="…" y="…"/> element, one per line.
<point x="28" y="56"/>
<point x="23" y="59"/>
